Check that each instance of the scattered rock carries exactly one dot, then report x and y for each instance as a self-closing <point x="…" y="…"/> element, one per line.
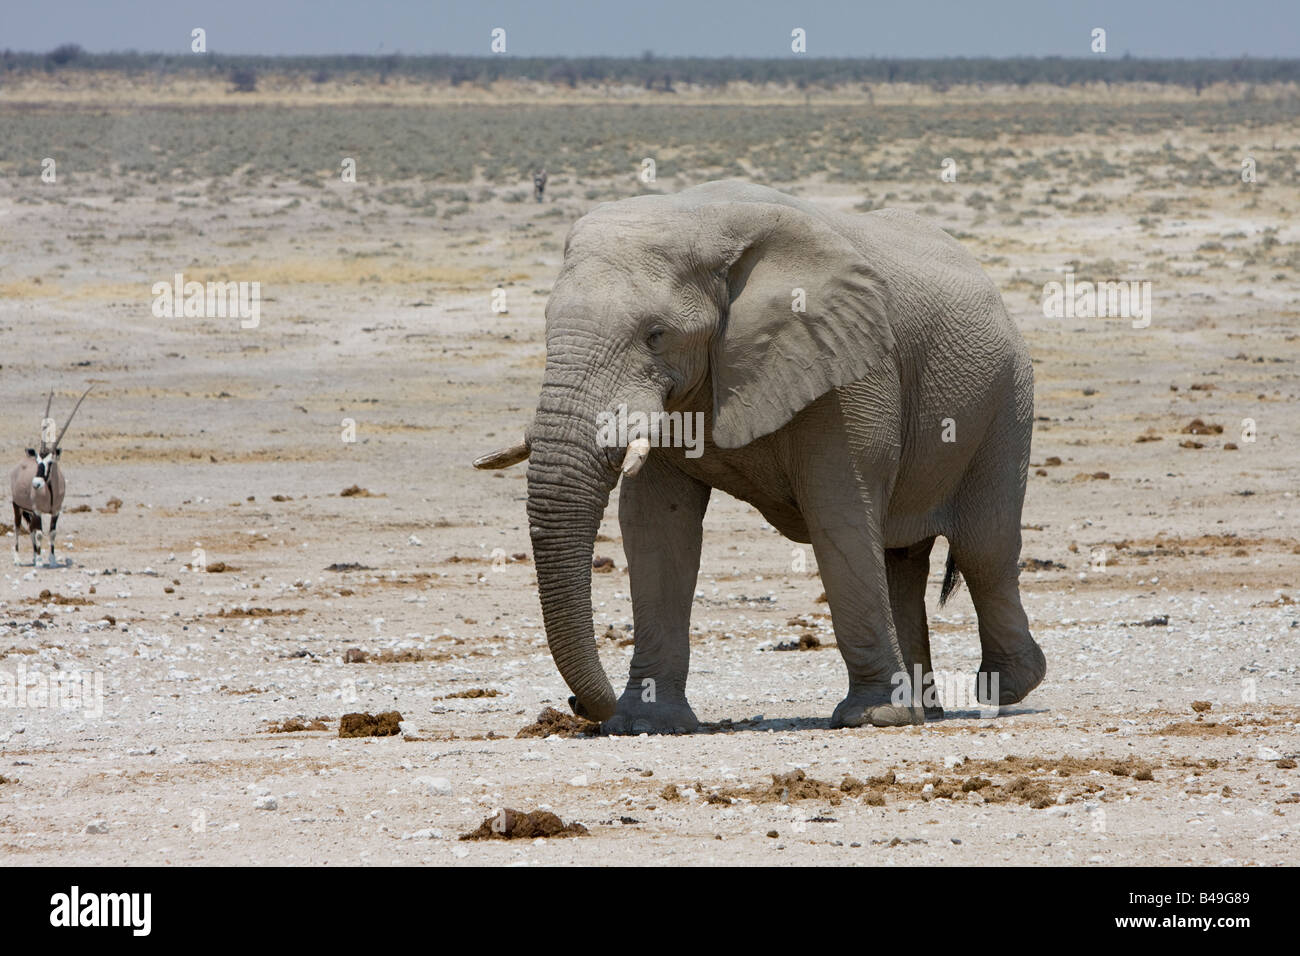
<point x="267" y="802"/>
<point x="435" y="786"/>
<point x="97" y="826"/>
<point x="355" y="655"/>
<point x="602" y="565"/>
<point x="806" y="642"/>
<point x="1201" y="706"/>
<point x="355" y="491"/>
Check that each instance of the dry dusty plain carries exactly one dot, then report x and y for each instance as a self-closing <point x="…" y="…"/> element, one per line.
<point x="1162" y="567"/>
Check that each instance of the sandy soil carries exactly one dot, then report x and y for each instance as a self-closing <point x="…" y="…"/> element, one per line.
<point x="229" y="440"/>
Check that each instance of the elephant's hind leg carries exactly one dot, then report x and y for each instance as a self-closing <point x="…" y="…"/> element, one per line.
<point x="908" y="570"/>
<point x="661" y="513"/>
<point x="985" y="546"/>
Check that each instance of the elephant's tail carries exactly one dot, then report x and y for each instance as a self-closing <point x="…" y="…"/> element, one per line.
<point x="951" y="578"/>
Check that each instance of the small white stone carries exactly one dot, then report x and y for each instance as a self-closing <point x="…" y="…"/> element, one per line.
<point x="266" y="803"/>
<point x="97" y="826"/>
<point x="435" y="786"/>
<point x="427" y="834"/>
<point x="579" y="781"/>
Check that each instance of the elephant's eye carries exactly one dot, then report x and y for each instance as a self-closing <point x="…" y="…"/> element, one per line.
<point x="655" y="339"/>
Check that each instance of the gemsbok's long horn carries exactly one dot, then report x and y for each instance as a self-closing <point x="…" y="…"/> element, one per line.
<point x="504" y="457"/>
<point x="64" y="431"/>
<point x="48" y="401"/>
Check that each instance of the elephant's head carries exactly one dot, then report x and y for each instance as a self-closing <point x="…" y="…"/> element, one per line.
<point x="665" y="302"/>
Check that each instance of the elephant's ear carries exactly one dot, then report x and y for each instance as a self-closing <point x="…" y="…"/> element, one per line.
<point x="770" y="359"/>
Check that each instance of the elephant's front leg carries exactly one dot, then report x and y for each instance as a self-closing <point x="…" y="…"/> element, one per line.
<point x="852" y="562"/>
<point x="661" y="512"/>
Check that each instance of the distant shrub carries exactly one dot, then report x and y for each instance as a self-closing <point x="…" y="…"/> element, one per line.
<point x="243" y="80"/>
<point x="64" y="54"/>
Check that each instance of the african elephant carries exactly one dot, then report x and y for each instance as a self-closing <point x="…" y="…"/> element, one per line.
<point x="859" y="383"/>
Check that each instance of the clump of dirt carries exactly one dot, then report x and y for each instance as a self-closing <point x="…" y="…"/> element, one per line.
<point x="472" y="694"/>
<point x="370" y="725"/>
<point x="520" y="825"/>
<point x="409" y="656"/>
<point x="111" y="506"/>
<point x="294" y="725"/>
<point x="355" y="655"/>
<point x="49" y="597"/>
<point x="1201" y="706"/>
<point x="602" y="565"/>
<point x="281" y="498"/>
<point x="551" y="721"/>
<point x="1041" y="564"/>
<point x="1198" y="427"/>
<point x="1036" y="793"/>
<point x="79" y="510"/>
<point x="1197" y="728"/>
<point x="356" y="491"/>
<point x="349" y="566"/>
<point x="1285" y="763"/>
<point x="1037" y="783"/>
<point x="806" y="642"/>
<point x="220" y="567"/>
<point x="258" y="612"/>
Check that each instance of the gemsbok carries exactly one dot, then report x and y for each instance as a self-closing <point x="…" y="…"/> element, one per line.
<point x="37" y="484"/>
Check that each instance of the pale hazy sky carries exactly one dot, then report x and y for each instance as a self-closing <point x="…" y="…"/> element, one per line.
<point x="742" y="28"/>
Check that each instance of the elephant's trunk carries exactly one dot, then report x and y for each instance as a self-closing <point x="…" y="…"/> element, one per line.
<point x="568" y="488"/>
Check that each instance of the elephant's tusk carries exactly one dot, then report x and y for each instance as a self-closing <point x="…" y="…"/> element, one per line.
<point x="637" y="452"/>
<point x="503" y="457"/>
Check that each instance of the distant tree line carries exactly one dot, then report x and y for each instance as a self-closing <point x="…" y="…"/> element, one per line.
<point x="667" y="73"/>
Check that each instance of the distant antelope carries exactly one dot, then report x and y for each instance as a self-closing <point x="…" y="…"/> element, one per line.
<point x="539" y="183"/>
<point x="37" y="484"/>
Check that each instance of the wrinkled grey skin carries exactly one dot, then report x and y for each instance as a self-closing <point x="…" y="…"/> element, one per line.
<point x="830" y="423"/>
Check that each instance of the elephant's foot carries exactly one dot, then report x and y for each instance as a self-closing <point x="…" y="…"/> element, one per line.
<point x="876" y="708"/>
<point x="661" y="716"/>
<point x="1010" y="679"/>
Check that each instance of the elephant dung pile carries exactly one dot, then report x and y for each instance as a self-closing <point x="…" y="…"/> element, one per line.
<point x="521" y="825"/>
<point x="387" y="724"/>
<point x="551" y="721"/>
